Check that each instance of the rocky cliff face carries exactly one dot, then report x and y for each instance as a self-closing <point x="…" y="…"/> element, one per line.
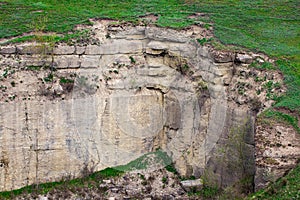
<point x="122" y="93"/>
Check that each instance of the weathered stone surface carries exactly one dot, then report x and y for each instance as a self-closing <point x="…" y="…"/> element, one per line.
<point x="277" y="151"/>
<point x="116" y="47"/>
<point x="64" y="50"/>
<point x="129" y="33"/>
<point x="244" y="58"/>
<point x="226" y="165"/>
<point x="90" y="61"/>
<point x="7" y="49"/>
<point x="34" y="48"/>
<point x="66" y="61"/>
<point x="36" y="60"/>
<point x="165" y="35"/>
<point x="80" y="50"/>
<point x="191" y="185"/>
<point x="157" y="45"/>
<point x="110" y="103"/>
<point x="223" y="57"/>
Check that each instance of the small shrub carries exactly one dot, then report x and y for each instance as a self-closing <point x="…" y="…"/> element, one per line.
<point x="132" y="60"/>
<point x="13" y="83"/>
<point x="49" y="78"/>
<point x="203" y="41"/>
<point x="171" y="169"/>
<point x="34" y="68"/>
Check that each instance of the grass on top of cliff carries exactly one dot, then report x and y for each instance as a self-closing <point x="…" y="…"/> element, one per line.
<point x="270" y="26"/>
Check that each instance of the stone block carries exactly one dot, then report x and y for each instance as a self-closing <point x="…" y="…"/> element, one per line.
<point x="64" y="50"/>
<point x="90" y="61"/>
<point x="93" y="50"/>
<point x="80" y="50"/>
<point x="35" y="60"/>
<point x="117" y="47"/>
<point x="165" y="35"/>
<point x="41" y="49"/>
<point x="153" y="51"/>
<point x="189" y="185"/>
<point x="244" y="58"/>
<point x="223" y="57"/>
<point x="8" y="50"/>
<point x="156" y="45"/>
<point x="158" y="72"/>
<point x="66" y="61"/>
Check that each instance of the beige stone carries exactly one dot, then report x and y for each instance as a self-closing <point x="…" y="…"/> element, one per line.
<point x="129" y="97"/>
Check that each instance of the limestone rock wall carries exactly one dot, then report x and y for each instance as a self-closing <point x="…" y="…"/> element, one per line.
<point x="102" y="104"/>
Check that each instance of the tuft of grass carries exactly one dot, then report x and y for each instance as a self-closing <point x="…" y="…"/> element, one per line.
<point x="146" y="161"/>
<point x="207" y="192"/>
<point x="132" y="60"/>
<point x="63" y="80"/>
<point x="263" y="66"/>
<point x="171" y="169"/>
<point x="49" y="78"/>
<point x="34" y="68"/>
<point x="204" y="41"/>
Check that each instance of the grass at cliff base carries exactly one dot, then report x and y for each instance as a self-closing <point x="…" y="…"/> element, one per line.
<point x="92" y="179"/>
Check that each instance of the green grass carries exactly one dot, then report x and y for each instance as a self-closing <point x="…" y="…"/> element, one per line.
<point x="206" y="193"/>
<point x="282" y="117"/>
<point x="63" y="80"/>
<point x="63" y="185"/>
<point x="263" y="66"/>
<point x="286" y="188"/>
<point x="75" y="36"/>
<point x="148" y="160"/>
<point x="291" y="71"/>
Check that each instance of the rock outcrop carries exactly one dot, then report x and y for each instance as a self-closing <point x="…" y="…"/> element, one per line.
<point x="136" y="89"/>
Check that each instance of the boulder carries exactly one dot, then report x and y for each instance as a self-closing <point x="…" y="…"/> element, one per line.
<point x="190" y="185"/>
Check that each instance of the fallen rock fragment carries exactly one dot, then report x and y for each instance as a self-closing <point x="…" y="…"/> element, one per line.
<point x="189" y="185"/>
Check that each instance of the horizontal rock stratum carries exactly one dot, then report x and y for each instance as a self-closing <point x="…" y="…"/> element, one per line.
<point x="94" y="105"/>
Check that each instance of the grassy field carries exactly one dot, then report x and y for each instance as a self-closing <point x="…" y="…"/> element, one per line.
<point x="269" y="26"/>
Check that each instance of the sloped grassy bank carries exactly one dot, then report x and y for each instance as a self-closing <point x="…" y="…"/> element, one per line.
<point x="287" y="187"/>
<point x="91" y="181"/>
